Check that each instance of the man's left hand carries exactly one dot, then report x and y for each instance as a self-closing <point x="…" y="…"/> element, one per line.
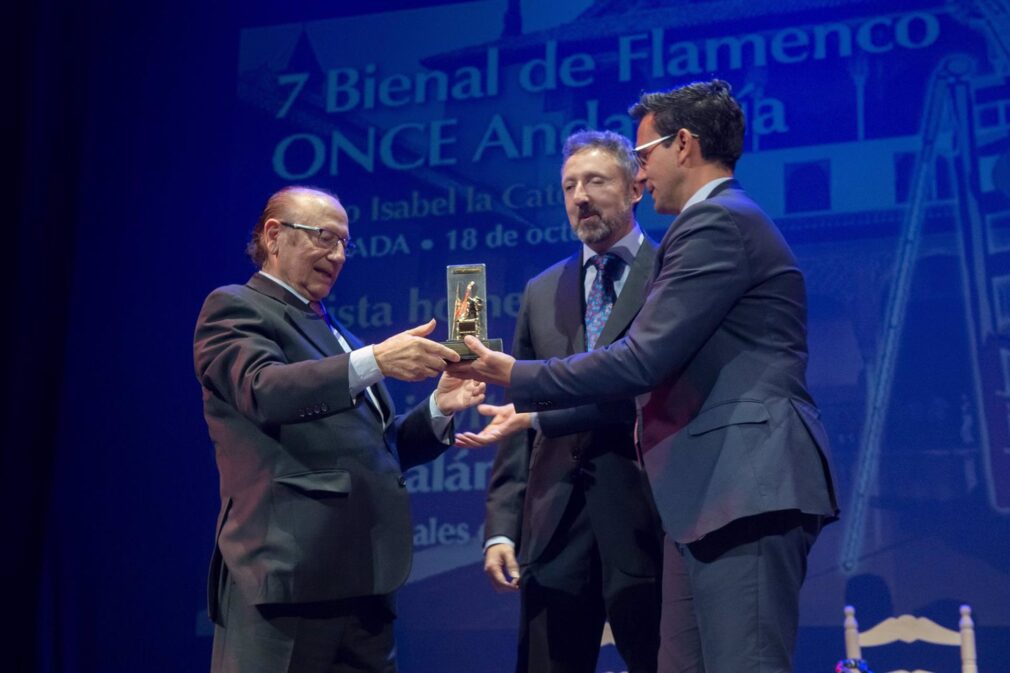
<point x="455" y="394"/>
<point x="505" y="422"/>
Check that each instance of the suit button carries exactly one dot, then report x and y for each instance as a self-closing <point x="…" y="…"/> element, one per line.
<point x="301" y="413"/>
<point x="324" y="407"/>
<point x="402" y="481"/>
<point x="318" y="409"/>
<point x="576" y="455"/>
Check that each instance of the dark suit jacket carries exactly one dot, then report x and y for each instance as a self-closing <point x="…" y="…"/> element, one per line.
<point x="313" y="502"/>
<point x="534" y="476"/>
<point x="718" y="357"/>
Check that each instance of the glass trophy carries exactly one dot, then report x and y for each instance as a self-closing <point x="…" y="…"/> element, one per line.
<point x="466" y="285"/>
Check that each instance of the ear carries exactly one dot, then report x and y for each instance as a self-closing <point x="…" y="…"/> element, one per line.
<point x="637" y="188"/>
<point x="686" y="144"/>
<point x="271" y="231"/>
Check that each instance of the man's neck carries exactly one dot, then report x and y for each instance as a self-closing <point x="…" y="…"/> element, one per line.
<point x="701" y="176"/>
<point x="705" y="174"/>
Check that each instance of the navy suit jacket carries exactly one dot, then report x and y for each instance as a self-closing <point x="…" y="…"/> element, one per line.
<point x="717" y="356"/>
<point x="313" y="500"/>
<point x="588" y="447"/>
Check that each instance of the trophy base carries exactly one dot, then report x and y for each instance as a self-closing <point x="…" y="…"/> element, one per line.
<point x="467" y="354"/>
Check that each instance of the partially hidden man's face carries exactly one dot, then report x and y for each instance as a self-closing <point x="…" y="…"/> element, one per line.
<point x="296" y="256"/>
<point x="662" y="175"/>
<point x="599" y="199"/>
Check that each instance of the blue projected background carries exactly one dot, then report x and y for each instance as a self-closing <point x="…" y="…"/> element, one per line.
<point x="878" y="138"/>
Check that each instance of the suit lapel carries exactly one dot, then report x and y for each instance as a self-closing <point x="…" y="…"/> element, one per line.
<point x="378" y="389"/>
<point x="315" y="329"/>
<point x="570" y="313"/>
<point x="299" y="314"/>
<point x="632" y="295"/>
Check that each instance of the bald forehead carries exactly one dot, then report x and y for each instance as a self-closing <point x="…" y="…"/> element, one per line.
<point x="308" y="201"/>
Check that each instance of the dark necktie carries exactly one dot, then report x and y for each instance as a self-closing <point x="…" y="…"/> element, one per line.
<point x="369" y="394"/>
<point x="320" y="310"/>
<point x="601" y="297"/>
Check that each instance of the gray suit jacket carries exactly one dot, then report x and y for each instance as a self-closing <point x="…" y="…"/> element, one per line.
<point x="717" y="357"/>
<point x="535" y="474"/>
<point x="313" y="501"/>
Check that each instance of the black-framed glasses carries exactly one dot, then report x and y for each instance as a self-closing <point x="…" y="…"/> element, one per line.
<point x="643" y="151"/>
<point x="324" y="238"/>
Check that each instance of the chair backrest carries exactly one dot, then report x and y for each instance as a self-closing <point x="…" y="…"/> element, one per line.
<point x="909" y="629"/>
<point x="608" y="635"/>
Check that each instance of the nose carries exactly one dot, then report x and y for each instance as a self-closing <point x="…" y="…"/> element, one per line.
<point x="580" y="195"/>
<point x="336" y="253"/>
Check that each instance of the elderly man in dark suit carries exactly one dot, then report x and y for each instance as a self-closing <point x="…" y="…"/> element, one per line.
<point x="314" y="533"/>
<point x="730" y="436"/>
<point x="573" y="494"/>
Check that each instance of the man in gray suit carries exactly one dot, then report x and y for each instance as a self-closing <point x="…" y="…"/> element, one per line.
<point x="314" y="533"/>
<point x="730" y="436"/>
<point x="572" y="493"/>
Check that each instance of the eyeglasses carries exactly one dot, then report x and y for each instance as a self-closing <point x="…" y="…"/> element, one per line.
<point x="644" y="150"/>
<point x="324" y="238"/>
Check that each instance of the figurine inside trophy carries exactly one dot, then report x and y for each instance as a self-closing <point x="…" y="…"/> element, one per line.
<point x="466" y="285"/>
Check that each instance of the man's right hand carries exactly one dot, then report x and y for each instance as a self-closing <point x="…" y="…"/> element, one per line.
<point x="501" y="567"/>
<point x="409" y="356"/>
<point x="490" y="366"/>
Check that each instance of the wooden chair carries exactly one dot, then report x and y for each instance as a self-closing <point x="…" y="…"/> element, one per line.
<point x="909" y="629"/>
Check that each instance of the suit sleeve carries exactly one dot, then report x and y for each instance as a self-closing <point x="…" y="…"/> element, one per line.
<point x="588" y="417"/>
<point x="415" y="436"/>
<point x="510" y="473"/>
<point x="704" y="271"/>
<point x="239" y="359"/>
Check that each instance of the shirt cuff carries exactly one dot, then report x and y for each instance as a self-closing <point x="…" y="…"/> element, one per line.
<point x="362" y="370"/>
<point x="535" y="420"/>
<point x="440" y="423"/>
<point x="499" y="539"/>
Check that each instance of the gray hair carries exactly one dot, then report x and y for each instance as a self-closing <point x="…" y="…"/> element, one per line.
<point x="612" y="143"/>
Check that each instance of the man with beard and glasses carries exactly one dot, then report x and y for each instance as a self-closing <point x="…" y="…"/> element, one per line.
<point x="568" y="502"/>
<point x="729" y="433"/>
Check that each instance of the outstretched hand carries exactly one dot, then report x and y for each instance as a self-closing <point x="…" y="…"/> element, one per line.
<point x="455" y="394"/>
<point x="490" y="366"/>
<point x="409" y="356"/>
<point x="505" y="422"/>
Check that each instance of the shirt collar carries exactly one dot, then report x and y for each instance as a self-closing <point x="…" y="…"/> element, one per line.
<point x="626" y="248"/>
<point x="704" y="192"/>
<point x="285" y="286"/>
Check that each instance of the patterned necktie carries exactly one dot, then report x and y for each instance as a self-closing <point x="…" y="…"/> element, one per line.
<point x="601" y="297"/>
